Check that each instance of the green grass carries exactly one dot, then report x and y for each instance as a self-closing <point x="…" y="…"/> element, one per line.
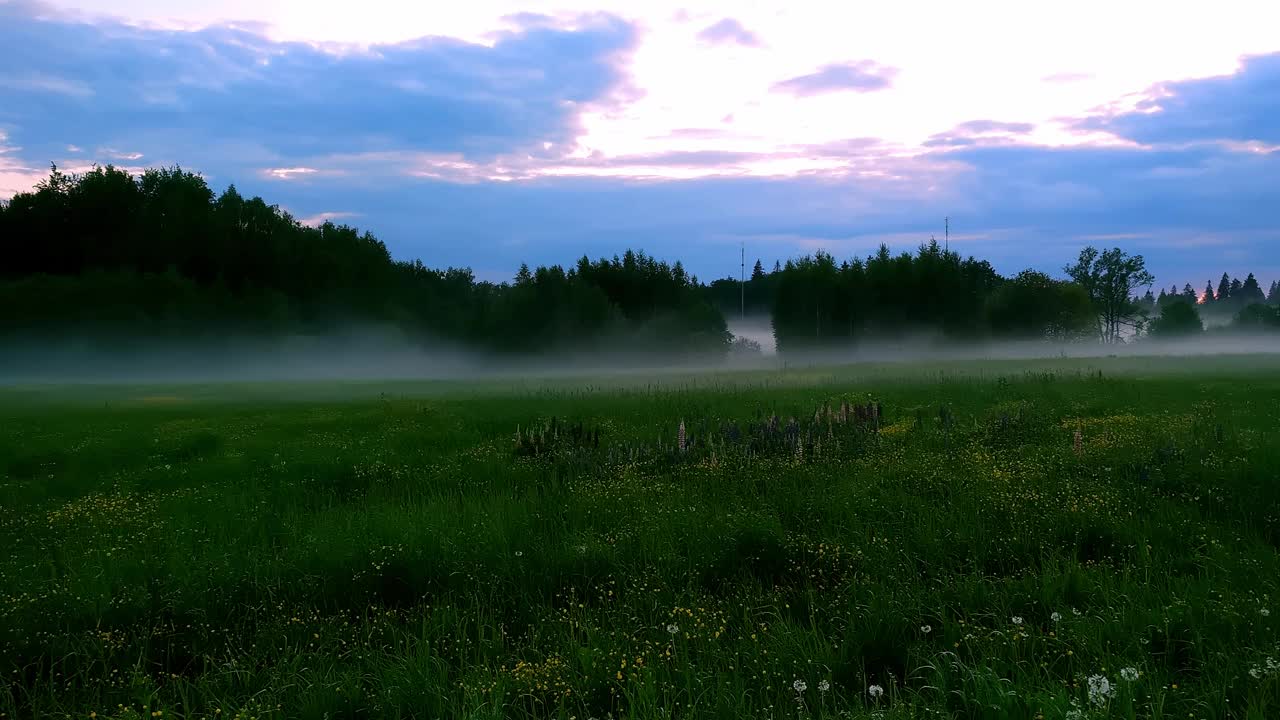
<point x="382" y="550"/>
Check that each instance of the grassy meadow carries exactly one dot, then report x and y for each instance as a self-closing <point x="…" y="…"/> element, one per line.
<point x="1057" y="539"/>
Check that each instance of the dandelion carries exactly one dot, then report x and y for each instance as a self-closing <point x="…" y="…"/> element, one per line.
<point x="1129" y="674"/>
<point x="1075" y="612"/>
<point x="824" y="686"/>
<point x="926" y="629"/>
<point x="519" y="553"/>
<point x="1264" y="612"/>
<point x="875" y="691"/>
<point x="1100" y="689"/>
<point x="673" y="628"/>
<point x="1056" y="616"/>
<point x="799" y="686"/>
<point x="1017" y="619"/>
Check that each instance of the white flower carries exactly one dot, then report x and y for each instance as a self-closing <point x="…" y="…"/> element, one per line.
<point x="875" y="691"/>
<point x="824" y="686"/>
<point x="1129" y="674"/>
<point x="1017" y="619"/>
<point x="1264" y="612"/>
<point x="1075" y="612"/>
<point x="673" y="628"/>
<point x="1056" y="616"/>
<point x="1100" y="689"/>
<point x="1254" y="672"/>
<point x="519" y="553"/>
<point x="926" y="629"/>
<point x="799" y="686"/>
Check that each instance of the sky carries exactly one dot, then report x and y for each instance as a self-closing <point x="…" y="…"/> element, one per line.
<point x="494" y="132"/>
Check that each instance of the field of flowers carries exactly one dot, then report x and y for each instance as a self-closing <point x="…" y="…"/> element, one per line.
<point x="1066" y="540"/>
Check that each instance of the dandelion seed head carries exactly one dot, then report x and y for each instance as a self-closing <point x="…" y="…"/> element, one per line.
<point x="926" y="629"/>
<point x="1056" y="616"/>
<point x="799" y="686"/>
<point x="1129" y="674"/>
<point x="875" y="691"/>
<point x="673" y="628"/>
<point x="1017" y="619"/>
<point x="824" y="686"/>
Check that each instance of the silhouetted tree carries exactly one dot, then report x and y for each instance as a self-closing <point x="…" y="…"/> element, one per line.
<point x="1109" y="278"/>
<point x="1224" y="288"/>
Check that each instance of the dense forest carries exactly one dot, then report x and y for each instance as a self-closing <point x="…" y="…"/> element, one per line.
<point x="162" y="255"/>
<point x="110" y="255"/>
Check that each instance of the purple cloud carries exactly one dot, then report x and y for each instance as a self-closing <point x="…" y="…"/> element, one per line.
<point x="979" y="132"/>
<point x="860" y="76"/>
<point x="729" y="31"/>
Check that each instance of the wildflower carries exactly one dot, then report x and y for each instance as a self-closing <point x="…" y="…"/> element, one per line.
<point x="673" y="628"/>
<point x="875" y="691"/>
<point x="824" y="686"/>
<point x="1100" y="689"/>
<point x="926" y="629"/>
<point x="1264" y="612"/>
<point x="1056" y="616"/>
<point x="1075" y="612"/>
<point x="799" y="686"/>
<point x="1255" y="673"/>
<point x="1129" y="674"/>
<point x="519" y="553"/>
<point x="1017" y="619"/>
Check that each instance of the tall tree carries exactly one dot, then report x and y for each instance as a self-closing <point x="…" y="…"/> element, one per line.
<point x="1251" y="292"/>
<point x="1208" y="292"/>
<point x="1224" y="288"/>
<point x="1110" y="278"/>
<point x="1189" y="293"/>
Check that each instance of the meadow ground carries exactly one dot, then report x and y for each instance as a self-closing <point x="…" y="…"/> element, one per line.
<point x="1058" y="539"/>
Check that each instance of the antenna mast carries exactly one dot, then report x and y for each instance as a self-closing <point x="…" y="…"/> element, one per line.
<point x="742" y="282"/>
<point x="947" y="238"/>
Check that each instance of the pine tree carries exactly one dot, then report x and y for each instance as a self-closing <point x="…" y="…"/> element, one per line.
<point x="1224" y="288"/>
<point x="1236" y="288"/>
<point x="1251" y="292"/>
<point x="1208" y="292"/>
<point x="757" y="272"/>
<point x="1189" y="293"/>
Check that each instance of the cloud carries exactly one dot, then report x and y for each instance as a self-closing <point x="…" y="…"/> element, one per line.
<point x="979" y="132"/>
<point x="860" y="76"/>
<point x="1242" y="107"/>
<point x="728" y="31"/>
<point x="1064" y="78"/>
<point x="201" y="96"/>
<point x="321" y="218"/>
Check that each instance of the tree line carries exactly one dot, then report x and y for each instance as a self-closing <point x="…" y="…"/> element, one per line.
<point x="162" y="255"/>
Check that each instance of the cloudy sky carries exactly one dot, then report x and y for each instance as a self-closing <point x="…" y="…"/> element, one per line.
<point x="492" y="132"/>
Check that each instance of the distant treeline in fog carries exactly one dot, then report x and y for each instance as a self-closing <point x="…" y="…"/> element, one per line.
<point x="162" y="255"/>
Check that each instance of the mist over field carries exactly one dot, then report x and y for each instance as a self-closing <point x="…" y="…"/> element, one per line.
<point x="378" y="353"/>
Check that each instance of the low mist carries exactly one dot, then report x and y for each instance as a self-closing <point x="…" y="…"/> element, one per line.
<point x="371" y="353"/>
